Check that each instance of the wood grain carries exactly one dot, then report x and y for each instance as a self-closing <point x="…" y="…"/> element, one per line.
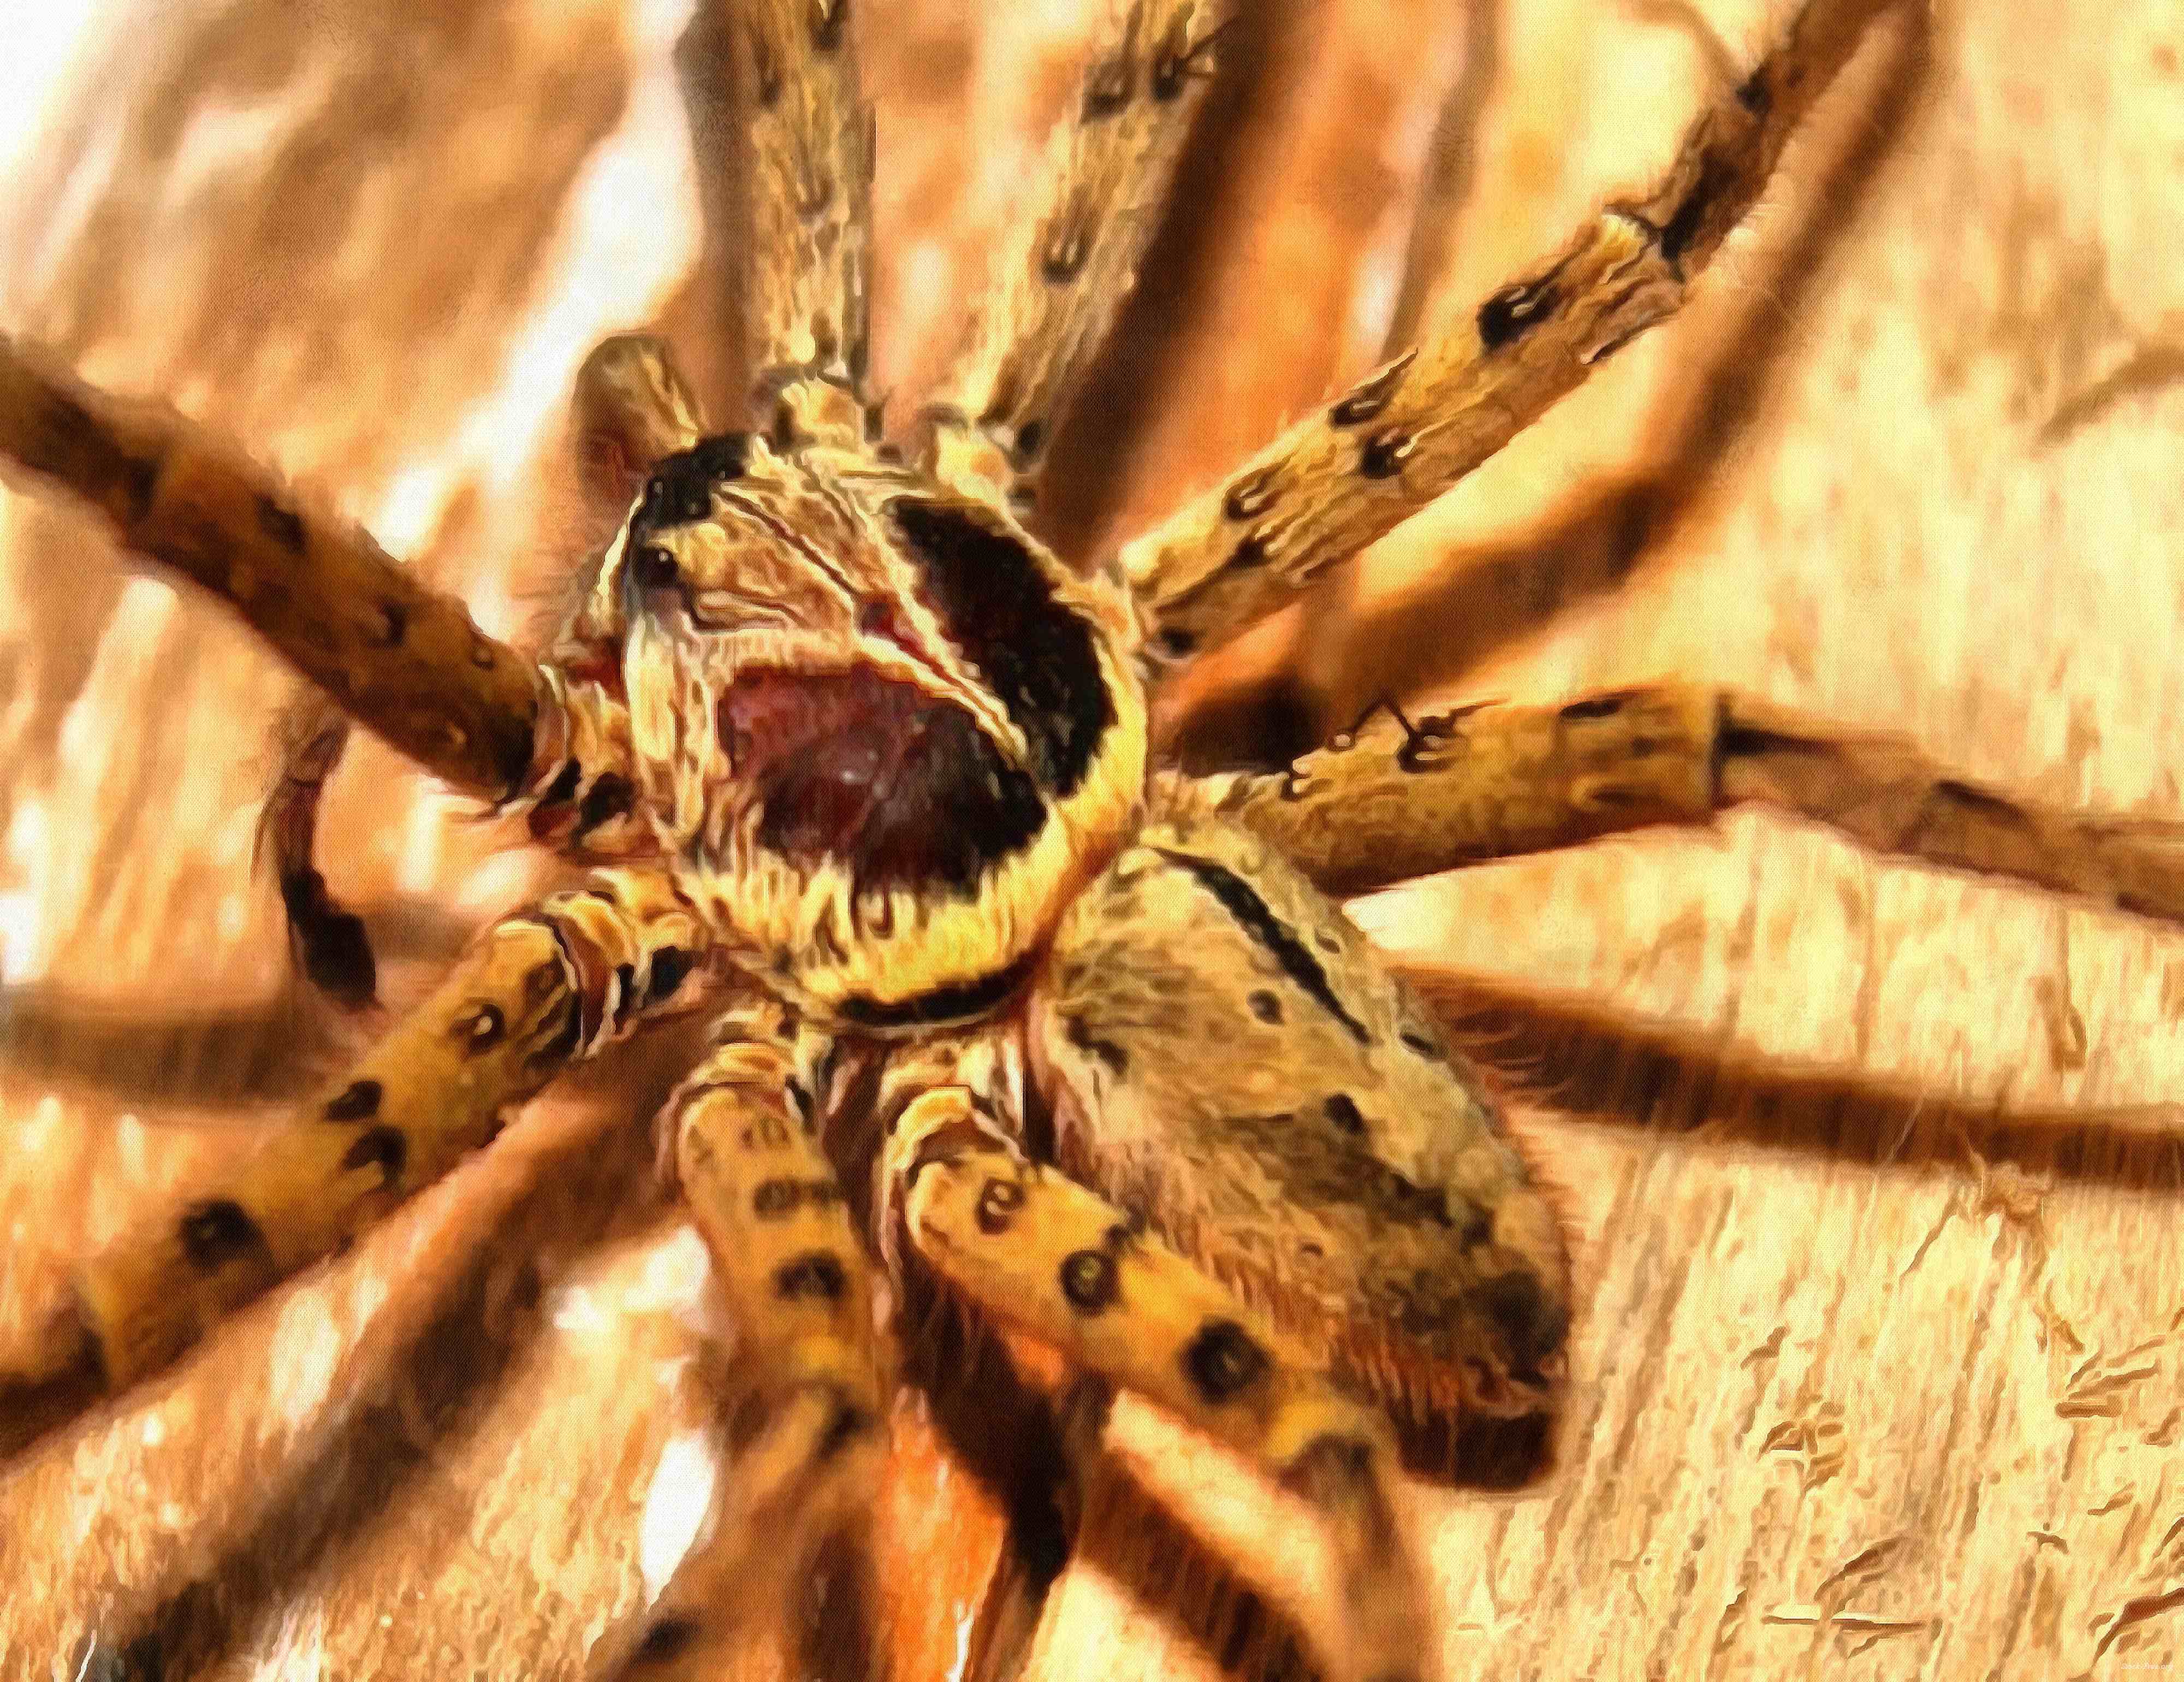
<point x="1883" y="1380"/>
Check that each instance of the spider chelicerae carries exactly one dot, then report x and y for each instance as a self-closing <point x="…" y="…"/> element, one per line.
<point x="924" y="881"/>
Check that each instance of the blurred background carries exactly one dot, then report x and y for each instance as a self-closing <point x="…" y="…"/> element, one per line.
<point x="1873" y="1172"/>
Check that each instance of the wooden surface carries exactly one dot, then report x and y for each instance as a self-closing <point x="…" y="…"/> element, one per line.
<point x="1878" y="1376"/>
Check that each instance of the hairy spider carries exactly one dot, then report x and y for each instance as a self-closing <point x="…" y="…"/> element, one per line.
<point x="864" y="770"/>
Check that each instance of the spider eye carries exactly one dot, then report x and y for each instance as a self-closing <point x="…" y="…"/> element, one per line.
<point x="655" y="569"/>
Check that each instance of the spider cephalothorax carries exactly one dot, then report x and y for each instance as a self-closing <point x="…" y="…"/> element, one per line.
<point x="883" y="735"/>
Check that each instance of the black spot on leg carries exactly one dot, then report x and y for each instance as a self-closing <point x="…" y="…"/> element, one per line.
<point x="1372" y="395"/>
<point x="1265" y="1006"/>
<point x="669" y="966"/>
<point x="1067" y="246"/>
<point x="997" y="1200"/>
<point x="1090" y="1280"/>
<point x="1515" y="310"/>
<point x="383" y="1148"/>
<point x="776" y="1198"/>
<point x="1253" y="494"/>
<point x="1593" y="706"/>
<point x="281" y="524"/>
<point x="1385" y="452"/>
<point x="1174" y="644"/>
<point x="1419" y="1043"/>
<point x="358" y="1101"/>
<point x="1250" y="554"/>
<point x="819" y="1278"/>
<point x="1754" y="95"/>
<point x="216" y="1233"/>
<point x="1107" y="87"/>
<point x="609" y="798"/>
<point x="1341" y="1109"/>
<point x="828" y="17"/>
<point x="480" y="1028"/>
<point x="397" y="625"/>
<point x="668" y="1638"/>
<point x="1179" y="58"/>
<point x="1223" y="1360"/>
<point x="563" y="789"/>
<point x="1030" y="437"/>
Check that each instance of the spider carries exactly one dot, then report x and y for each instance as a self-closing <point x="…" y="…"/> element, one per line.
<point x="958" y="1019"/>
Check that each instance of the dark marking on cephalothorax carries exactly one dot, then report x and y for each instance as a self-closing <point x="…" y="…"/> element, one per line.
<point x="382" y="1147"/>
<point x="681" y="489"/>
<point x="1257" y="919"/>
<point x="1385" y="452"/>
<point x="396" y="626"/>
<point x="358" y="1101"/>
<point x="1264" y="1006"/>
<point x="1341" y="1109"/>
<point x="217" y="1232"/>
<point x="1253" y="494"/>
<point x="1515" y="310"/>
<point x="282" y="525"/>
<point x="1372" y="394"/>
<point x="958" y="1003"/>
<point x="480" y="1028"/>
<point x="668" y="1638"/>
<point x="1754" y="94"/>
<point x="1223" y="1360"/>
<point x="998" y="1200"/>
<point x="1039" y="657"/>
<point x="817" y="1277"/>
<point x="1090" y="1280"/>
<point x="846" y="1425"/>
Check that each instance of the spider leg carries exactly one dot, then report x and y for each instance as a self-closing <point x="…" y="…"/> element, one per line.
<point x="766" y="1200"/>
<point x="1068" y="263"/>
<point x="807" y="224"/>
<point x="1335" y="483"/>
<point x="1393" y="800"/>
<point x="537" y="990"/>
<point x="1027" y="1245"/>
<point x="630" y="408"/>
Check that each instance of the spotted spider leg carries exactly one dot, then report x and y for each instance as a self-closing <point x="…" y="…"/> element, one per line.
<point x="1394" y="799"/>
<point x="1335" y="483"/>
<point x="1025" y="1244"/>
<point x="1070" y="260"/>
<point x="805" y="1385"/>
<point x="631" y="407"/>
<point x="536" y="991"/>
<point x="807" y="218"/>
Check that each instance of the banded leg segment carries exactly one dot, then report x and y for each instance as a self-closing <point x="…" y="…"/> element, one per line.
<point x="765" y="1199"/>
<point x="537" y="990"/>
<point x="1071" y="260"/>
<point x="1395" y="800"/>
<point x="405" y="661"/>
<point x="1335" y="483"/>
<point x="1029" y="1246"/>
<point x="808" y="301"/>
